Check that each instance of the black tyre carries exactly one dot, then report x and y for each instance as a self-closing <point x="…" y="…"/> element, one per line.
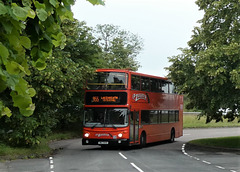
<point x="143" y="140"/>
<point x="172" y="138"/>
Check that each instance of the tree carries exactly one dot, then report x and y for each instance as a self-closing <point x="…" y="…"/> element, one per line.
<point x="29" y="29"/>
<point x="59" y="87"/>
<point x="209" y="70"/>
<point x="120" y="47"/>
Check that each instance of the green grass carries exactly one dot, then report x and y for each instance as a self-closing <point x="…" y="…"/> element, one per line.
<point x="41" y="150"/>
<point x="191" y="121"/>
<point x="222" y="142"/>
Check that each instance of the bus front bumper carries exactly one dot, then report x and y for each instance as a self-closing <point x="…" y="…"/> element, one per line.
<point x="106" y="142"/>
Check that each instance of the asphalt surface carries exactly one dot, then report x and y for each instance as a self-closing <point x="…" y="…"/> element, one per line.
<point x="163" y="157"/>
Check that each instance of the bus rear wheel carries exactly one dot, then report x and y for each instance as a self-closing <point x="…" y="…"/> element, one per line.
<point x="172" y="138"/>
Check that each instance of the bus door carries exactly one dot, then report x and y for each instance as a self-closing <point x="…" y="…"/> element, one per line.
<point x="134" y="126"/>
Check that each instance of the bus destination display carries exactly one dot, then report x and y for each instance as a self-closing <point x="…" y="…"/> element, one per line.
<point x="104" y="98"/>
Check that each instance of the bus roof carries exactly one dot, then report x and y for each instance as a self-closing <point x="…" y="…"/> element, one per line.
<point x="131" y="72"/>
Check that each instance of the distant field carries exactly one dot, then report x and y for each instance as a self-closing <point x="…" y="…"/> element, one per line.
<point x="191" y="121"/>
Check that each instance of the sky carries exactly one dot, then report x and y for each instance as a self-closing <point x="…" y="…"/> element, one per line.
<point x="164" y="26"/>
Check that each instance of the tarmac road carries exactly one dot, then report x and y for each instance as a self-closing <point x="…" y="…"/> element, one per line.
<point x="163" y="157"/>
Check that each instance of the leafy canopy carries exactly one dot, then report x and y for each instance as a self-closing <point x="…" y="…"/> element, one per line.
<point x="208" y="71"/>
<point x="29" y="30"/>
<point x="120" y="47"/>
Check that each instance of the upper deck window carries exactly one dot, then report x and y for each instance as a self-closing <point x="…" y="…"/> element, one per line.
<point x="108" y="81"/>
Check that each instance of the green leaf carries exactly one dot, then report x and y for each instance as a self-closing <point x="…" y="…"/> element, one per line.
<point x="45" y="45"/>
<point x="31" y="13"/>
<point x="39" y="5"/>
<point x="3" y="53"/>
<point x="40" y="64"/>
<point x="8" y="26"/>
<point x="19" y="12"/>
<point x="68" y="2"/>
<point x="21" y="87"/>
<point x="3" y="85"/>
<point x="96" y="2"/>
<point x="42" y="14"/>
<point x="3" y="9"/>
<point x="13" y="68"/>
<point x="26" y="3"/>
<point x="26" y="113"/>
<point x="21" y="101"/>
<point x="13" y="39"/>
<point x="31" y="92"/>
<point x="11" y="80"/>
<point x="25" y="41"/>
<point x="53" y="2"/>
<point x="6" y="111"/>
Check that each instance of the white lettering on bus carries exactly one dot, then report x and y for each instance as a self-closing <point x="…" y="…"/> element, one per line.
<point x="139" y="96"/>
<point x="100" y="135"/>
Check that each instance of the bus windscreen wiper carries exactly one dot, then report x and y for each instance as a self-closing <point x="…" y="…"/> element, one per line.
<point x="114" y="126"/>
<point x="94" y="126"/>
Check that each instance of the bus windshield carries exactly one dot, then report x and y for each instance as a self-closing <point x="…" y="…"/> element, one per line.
<point x="108" y="81"/>
<point x="106" y="117"/>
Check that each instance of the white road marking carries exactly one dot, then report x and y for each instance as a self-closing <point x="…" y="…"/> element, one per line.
<point x="124" y="157"/>
<point x="139" y="169"/>
<point x="206" y="162"/>
<point x="220" y="167"/>
<point x="51" y="164"/>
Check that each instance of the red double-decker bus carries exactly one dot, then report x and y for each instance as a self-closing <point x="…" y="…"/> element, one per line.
<point x="123" y="107"/>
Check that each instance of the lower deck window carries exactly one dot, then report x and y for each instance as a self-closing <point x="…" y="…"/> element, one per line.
<point x="159" y="116"/>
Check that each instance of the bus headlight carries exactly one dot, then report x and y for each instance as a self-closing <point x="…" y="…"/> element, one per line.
<point x="86" y="134"/>
<point x="120" y="135"/>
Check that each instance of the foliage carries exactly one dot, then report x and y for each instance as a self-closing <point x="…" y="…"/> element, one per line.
<point x="209" y="70"/>
<point x="59" y="88"/>
<point x="120" y="47"/>
<point x="29" y="31"/>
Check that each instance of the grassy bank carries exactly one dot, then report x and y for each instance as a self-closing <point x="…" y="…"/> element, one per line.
<point x="222" y="142"/>
<point x="191" y="121"/>
<point x="41" y="150"/>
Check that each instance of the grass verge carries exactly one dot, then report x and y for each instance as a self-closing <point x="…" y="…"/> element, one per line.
<point x="222" y="142"/>
<point x="38" y="151"/>
<point x="191" y="121"/>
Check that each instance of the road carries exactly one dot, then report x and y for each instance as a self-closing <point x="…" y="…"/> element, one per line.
<point x="163" y="157"/>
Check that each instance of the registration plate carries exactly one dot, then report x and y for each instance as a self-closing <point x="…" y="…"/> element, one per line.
<point x="103" y="143"/>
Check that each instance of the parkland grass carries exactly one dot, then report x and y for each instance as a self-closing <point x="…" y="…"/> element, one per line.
<point x="191" y="121"/>
<point x="222" y="142"/>
<point x="38" y="151"/>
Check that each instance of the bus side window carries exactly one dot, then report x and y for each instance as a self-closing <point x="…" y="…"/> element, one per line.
<point x="164" y="116"/>
<point x="135" y="80"/>
<point x="165" y="86"/>
<point x="171" y="88"/>
<point x="172" y="117"/>
<point x="154" y="85"/>
<point x="176" y="115"/>
<point x="145" y="85"/>
<point x="154" y="116"/>
<point x="145" y="117"/>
